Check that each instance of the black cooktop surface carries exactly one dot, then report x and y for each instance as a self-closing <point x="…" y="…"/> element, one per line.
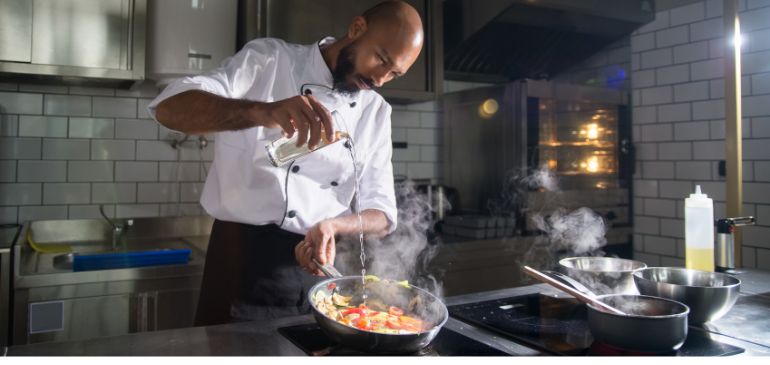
<point x="311" y="339"/>
<point x="559" y="326"/>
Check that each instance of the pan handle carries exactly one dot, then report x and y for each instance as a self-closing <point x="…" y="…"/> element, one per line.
<point x="328" y="270"/>
<point x="569" y="281"/>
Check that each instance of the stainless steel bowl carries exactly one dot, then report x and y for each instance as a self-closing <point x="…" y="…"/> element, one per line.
<point x="708" y="294"/>
<point x="603" y="275"/>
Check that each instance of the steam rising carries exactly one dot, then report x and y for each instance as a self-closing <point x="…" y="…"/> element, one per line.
<point x="580" y="231"/>
<point x="404" y="254"/>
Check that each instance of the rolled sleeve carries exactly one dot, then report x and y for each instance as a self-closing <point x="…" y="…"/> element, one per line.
<point x="377" y="190"/>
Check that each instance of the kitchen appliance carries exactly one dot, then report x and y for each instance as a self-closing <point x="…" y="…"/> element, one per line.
<point x="530" y="147"/>
<point x="541" y="38"/>
<point x="188" y="37"/>
<point x="603" y="275"/>
<point x="710" y="295"/>
<point x="724" y="255"/>
<point x="560" y="326"/>
<point x="311" y="339"/>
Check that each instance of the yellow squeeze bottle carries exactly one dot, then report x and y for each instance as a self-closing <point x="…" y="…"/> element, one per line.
<point x="699" y="231"/>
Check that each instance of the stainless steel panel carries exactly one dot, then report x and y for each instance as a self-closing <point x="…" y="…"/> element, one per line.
<point x="15" y="30"/>
<point x="101" y="41"/>
<point x="85" y="33"/>
<point x="89" y="318"/>
<point x="480" y="152"/>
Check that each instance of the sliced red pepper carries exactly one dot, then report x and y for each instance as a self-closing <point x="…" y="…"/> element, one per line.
<point x="395" y="311"/>
<point x="363" y="323"/>
<point x="358" y="311"/>
<point x="394" y="324"/>
<point x="331" y="286"/>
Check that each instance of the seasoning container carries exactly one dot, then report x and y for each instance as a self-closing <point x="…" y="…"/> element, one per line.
<point x="699" y="231"/>
<point x="284" y="150"/>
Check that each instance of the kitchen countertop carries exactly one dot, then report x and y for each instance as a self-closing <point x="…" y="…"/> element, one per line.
<point x="744" y="326"/>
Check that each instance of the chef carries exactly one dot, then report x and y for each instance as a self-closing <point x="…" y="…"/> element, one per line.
<point x="271" y="221"/>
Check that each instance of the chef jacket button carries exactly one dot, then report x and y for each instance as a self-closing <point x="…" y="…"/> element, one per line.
<point x="295" y="168"/>
<point x="347" y="144"/>
<point x="334" y="183"/>
<point x="291" y="214"/>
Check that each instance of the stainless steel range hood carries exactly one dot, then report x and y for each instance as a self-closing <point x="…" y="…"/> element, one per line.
<point x="502" y="40"/>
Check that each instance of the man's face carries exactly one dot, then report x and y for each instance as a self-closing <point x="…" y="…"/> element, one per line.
<point x="372" y="60"/>
<point x="345" y="74"/>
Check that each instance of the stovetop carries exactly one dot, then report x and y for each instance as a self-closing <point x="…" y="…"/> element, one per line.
<point x="311" y="339"/>
<point x="559" y="326"/>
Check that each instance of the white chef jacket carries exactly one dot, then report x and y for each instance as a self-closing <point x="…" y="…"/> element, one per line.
<point x="242" y="186"/>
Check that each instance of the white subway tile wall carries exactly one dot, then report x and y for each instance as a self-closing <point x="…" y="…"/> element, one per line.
<point x="677" y="90"/>
<point x="419" y="125"/>
<point x="65" y="150"/>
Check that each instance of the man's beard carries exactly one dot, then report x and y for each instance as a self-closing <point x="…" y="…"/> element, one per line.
<point x="345" y="70"/>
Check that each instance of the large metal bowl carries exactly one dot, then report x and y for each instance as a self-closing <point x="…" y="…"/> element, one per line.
<point x="603" y="275"/>
<point x="708" y="294"/>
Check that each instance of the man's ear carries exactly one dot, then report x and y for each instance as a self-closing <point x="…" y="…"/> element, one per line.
<point x="357" y="28"/>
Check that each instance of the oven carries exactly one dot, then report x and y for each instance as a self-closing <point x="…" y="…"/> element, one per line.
<point x="496" y="137"/>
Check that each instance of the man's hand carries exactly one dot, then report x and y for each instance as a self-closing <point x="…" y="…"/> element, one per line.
<point x="303" y="114"/>
<point x="319" y="243"/>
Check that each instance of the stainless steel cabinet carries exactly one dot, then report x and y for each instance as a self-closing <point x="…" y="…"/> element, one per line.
<point x="306" y="21"/>
<point x="88" y="38"/>
<point x="51" y="316"/>
<point x="15" y="30"/>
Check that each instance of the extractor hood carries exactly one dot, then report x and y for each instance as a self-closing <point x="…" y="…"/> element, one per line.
<point x="503" y="40"/>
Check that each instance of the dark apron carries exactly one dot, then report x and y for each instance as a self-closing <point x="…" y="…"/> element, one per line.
<point x="251" y="274"/>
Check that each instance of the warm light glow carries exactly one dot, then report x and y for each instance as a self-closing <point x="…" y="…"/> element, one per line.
<point x="591" y="164"/>
<point x="590" y="131"/>
<point x="552" y="164"/>
<point x="593" y="131"/>
<point x="601" y="185"/>
<point x="488" y="108"/>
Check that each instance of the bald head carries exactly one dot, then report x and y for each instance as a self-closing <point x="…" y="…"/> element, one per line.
<point x="380" y="45"/>
<point x="396" y="16"/>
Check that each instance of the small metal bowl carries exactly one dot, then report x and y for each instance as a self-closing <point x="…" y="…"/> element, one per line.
<point x="603" y="275"/>
<point x="708" y="294"/>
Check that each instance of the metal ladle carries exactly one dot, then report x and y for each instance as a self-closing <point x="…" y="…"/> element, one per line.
<point x="577" y="290"/>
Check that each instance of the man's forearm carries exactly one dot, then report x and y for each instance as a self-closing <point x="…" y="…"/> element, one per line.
<point x="200" y="112"/>
<point x="374" y="222"/>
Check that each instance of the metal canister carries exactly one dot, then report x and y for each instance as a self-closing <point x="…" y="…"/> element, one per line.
<point x="724" y="255"/>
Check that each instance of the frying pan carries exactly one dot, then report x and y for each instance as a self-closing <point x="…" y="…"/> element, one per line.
<point x="415" y="301"/>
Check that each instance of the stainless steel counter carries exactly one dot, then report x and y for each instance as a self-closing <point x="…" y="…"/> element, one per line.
<point x="740" y="327"/>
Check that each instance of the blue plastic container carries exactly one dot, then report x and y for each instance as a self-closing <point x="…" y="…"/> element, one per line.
<point x="117" y="260"/>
